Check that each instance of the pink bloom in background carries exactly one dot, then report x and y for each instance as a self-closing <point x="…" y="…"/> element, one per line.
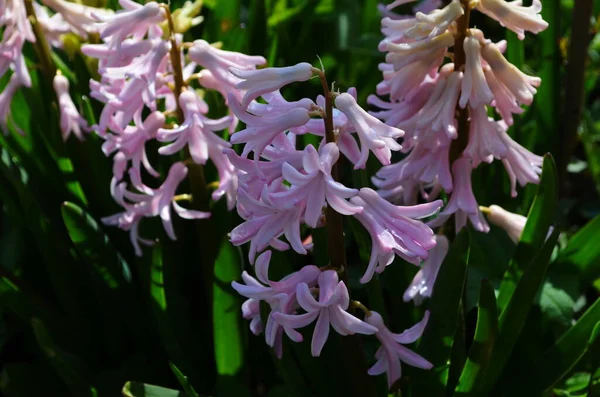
<point x="394" y="230"/>
<point x="514" y="16"/>
<point x="151" y="203"/>
<point x="80" y="18"/>
<point x="6" y="97"/>
<point x="328" y="310"/>
<point x="462" y="203"/>
<point x="258" y="82"/>
<point x="70" y="119"/>
<point x="513" y="224"/>
<point x="134" y="19"/>
<point x="392" y="351"/>
<point x="422" y="284"/>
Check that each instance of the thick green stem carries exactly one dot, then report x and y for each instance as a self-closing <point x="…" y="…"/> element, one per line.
<point x="335" y="221"/>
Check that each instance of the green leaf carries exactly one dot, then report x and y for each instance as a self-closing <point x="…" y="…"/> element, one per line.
<point x="539" y="220"/>
<point x="137" y="389"/>
<point x="438" y="338"/>
<point x="70" y="371"/>
<point x="561" y="357"/>
<point x="227" y="319"/>
<point x="513" y="317"/>
<point x="486" y="333"/>
<point x="183" y="381"/>
<point x="583" y="251"/>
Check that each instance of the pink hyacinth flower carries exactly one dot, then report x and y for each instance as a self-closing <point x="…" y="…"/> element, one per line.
<point x="316" y="185"/>
<point x="394" y="230"/>
<point x="81" y="18"/>
<point x="153" y="202"/>
<point x="262" y="81"/>
<point x="422" y="284"/>
<point x="196" y="131"/>
<point x="372" y="133"/>
<point x="518" y="83"/>
<point x="70" y="119"/>
<point x="462" y="203"/>
<point x="261" y="131"/>
<point x="485" y="137"/>
<point x="512" y="15"/>
<point x="521" y="165"/>
<point x="218" y="62"/>
<point x="265" y="223"/>
<point x="513" y="224"/>
<point x="328" y="310"/>
<point x="475" y="89"/>
<point x="280" y="295"/>
<point x="392" y="351"/>
<point x="135" y="19"/>
<point x="132" y="141"/>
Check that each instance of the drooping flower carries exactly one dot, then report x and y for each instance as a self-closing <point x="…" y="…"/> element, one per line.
<point x="70" y="119"/>
<point x="422" y="284"/>
<point x="328" y="310"/>
<point x="373" y="135"/>
<point x="475" y="89"/>
<point x="197" y="132"/>
<point x="392" y="351"/>
<point x="394" y="230"/>
<point x="151" y="203"/>
<point x="316" y="186"/>
<point x="512" y="15"/>
<point x="258" y="82"/>
<point x="462" y="203"/>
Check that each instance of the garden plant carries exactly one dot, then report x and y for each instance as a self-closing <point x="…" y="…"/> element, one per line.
<point x="299" y="198"/>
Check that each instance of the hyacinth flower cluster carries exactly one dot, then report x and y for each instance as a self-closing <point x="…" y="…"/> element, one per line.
<point x="443" y="101"/>
<point x="444" y="107"/>
<point x="284" y="191"/>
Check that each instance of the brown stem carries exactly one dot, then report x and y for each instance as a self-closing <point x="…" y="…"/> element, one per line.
<point x="462" y="115"/>
<point x="175" y="55"/>
<point x="335" y="221"/>
<point x="574" y="92"/>
<point x="42" y="48"/>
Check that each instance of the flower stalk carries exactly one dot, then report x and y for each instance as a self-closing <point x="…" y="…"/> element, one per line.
<point x="41" y="46"/>
<point x="335" y="222"/>
<point x="462" y="114"/>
